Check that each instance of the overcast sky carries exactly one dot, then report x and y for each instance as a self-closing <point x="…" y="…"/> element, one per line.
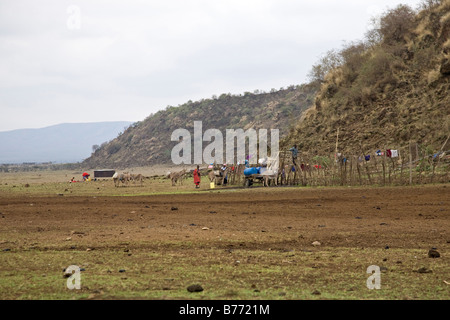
<point x="88" y="61"/>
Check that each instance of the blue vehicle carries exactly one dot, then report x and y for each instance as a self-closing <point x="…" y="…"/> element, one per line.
<point x="265" y="174"/>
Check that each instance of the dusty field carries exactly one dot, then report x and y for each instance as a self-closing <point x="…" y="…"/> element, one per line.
<point x="235" y="243"/>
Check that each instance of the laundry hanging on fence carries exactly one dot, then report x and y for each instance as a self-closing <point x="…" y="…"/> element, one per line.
<point x="392" y="153"/>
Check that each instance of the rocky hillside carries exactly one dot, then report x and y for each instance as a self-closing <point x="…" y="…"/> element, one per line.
<point x="391" y="88"/>
<point x="148" y="142"/>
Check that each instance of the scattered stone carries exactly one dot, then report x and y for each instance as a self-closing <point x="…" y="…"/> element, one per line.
<point x="88" y="249"/>
<point x="385" y="259"/>
<point x="27" y="185"/>
<point x="195" y="288"/>
<point x="316" y="293"/>
<point x="383" y="269"/>
<point x="147" y="207"/>
<point x="69" y="238"/>
<point x="387" y="247"/>
<point x="322" y="226"/>
<point x="212" y="212"/>
<point x="383" y="224"/>
<point x="174" y="208"/>
<point x="205" y="228"/>
<point x="433" y="253"/>
<point x="192" y="224"/>
<point x="122" y="270"/>
<point x="68" y="274"/>
<point x="77" y="233"/>
<point x="424" y="270"/>
<point x="316" y="243"/>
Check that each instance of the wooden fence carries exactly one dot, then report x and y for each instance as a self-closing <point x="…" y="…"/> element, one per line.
<point x="410" y="167"/>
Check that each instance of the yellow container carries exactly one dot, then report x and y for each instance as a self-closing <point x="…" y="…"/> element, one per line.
<point x="212" y="185"/>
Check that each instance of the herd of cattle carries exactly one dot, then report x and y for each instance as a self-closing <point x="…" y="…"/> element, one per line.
<point x="176" y="177"/>
<point x="125" y="178"/>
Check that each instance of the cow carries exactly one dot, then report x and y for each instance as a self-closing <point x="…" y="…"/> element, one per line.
<point x="121" y="177"/>
<point x="175" y="176"/>
<point x="137" y="177"/>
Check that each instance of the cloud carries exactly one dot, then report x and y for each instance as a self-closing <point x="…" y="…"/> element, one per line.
<point x="124" y="60"/>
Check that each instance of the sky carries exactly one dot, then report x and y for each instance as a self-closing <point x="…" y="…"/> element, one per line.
<point x="107" y="60"/>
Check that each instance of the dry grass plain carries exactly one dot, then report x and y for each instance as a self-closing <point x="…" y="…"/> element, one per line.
<point x="154" y="241"/>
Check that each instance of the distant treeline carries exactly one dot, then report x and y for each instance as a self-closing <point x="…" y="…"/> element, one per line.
<point x="48" y="166"/>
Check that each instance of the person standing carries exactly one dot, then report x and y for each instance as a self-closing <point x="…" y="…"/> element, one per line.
<point x="197" y="178"/>
<point x="294" y="151"/>
<point x="224" y="174"/>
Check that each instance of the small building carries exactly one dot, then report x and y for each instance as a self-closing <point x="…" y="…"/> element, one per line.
<point x="106" y="173"/>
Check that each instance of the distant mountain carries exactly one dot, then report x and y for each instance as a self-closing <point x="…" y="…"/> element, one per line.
<point x="62" y="143"/>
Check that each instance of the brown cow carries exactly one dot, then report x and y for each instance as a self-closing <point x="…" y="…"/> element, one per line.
<point x="137" y="177"/>
<point x="175" y="176"/>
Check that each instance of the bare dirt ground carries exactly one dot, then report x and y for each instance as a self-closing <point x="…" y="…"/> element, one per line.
<point x="250" y="244"/>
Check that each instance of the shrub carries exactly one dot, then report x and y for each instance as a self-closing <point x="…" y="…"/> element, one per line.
<point x="113" y="148"/>
<point x="397" y="23"/>
<point x="331" y="60"/>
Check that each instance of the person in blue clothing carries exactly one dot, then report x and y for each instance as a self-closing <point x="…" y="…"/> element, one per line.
<point x="294" y="151"/>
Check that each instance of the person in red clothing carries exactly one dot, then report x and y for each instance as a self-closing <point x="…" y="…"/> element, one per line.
<point x="197" y="177"/>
